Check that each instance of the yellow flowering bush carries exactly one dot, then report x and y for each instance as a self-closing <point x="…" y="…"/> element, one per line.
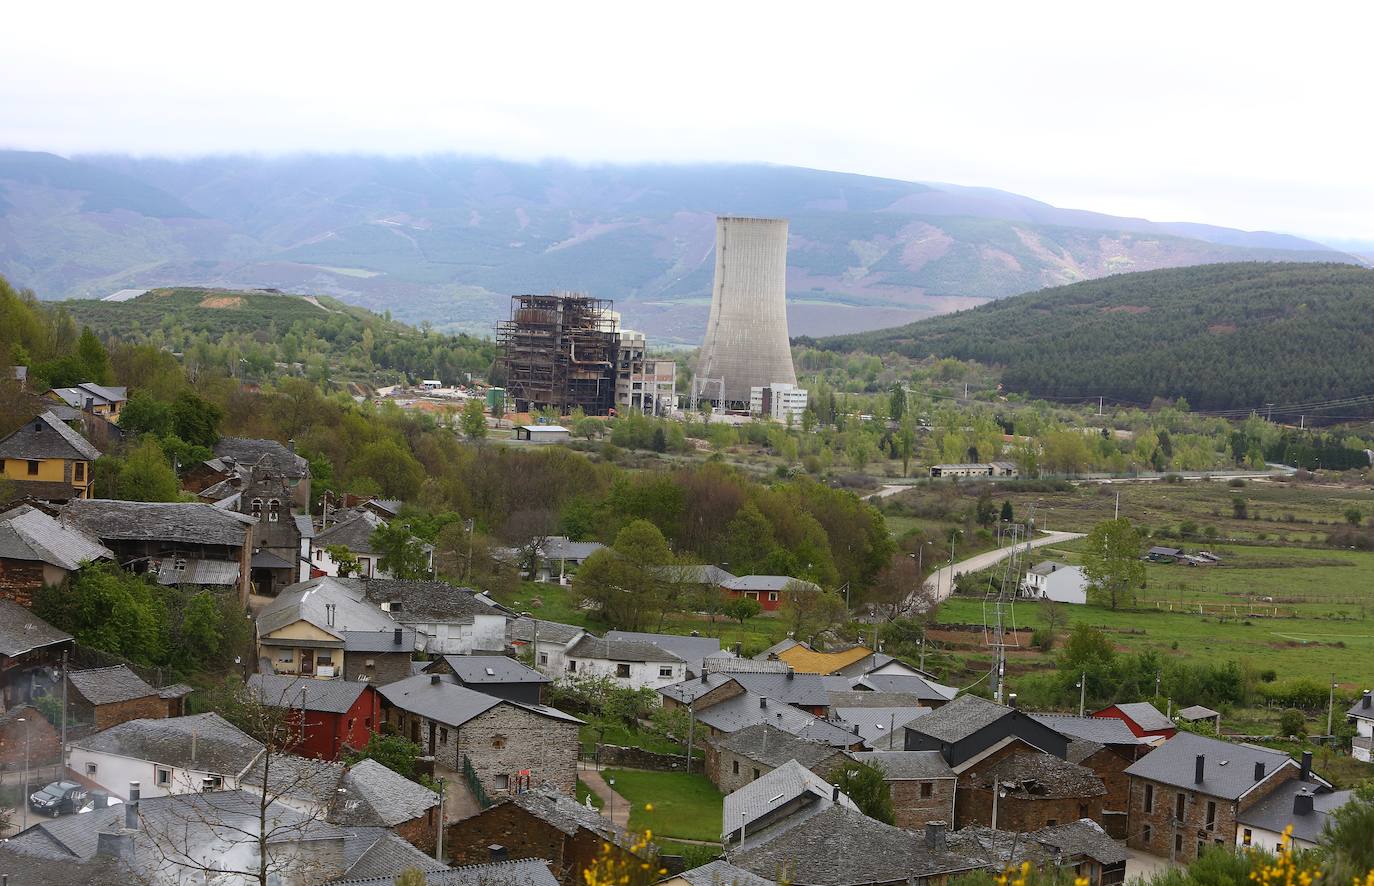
<point x="635" y="865"/>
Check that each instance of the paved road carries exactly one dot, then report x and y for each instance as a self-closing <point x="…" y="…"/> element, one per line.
<point x="942" y="579"/>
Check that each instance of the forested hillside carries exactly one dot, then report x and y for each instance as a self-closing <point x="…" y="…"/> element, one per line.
<point x="1226" y="336"/>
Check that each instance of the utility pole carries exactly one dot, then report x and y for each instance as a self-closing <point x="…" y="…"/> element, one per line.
<point x="923" y="653"/>
<point x="1099" y="404"/>
<point x="1117" y="514"/>
<point x="1330" y="704"/>
<point x="439" y="841"/>
<point x="1082" y="693"/>
<point x="691" y="729"/>
<point x="63" y="745"/>
<point x="1157" y="676"/>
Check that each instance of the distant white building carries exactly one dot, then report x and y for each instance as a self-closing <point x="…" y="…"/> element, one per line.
<point x="778" y="401"/>
<point x="1051" y="580"/>
<point x="1363" y="716"/>
<point x="983" y="469"/>
<point x="543" y="433"/>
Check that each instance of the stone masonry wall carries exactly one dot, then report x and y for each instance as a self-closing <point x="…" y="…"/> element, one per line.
<point x="507" y="739"/>
<point x="973" y="806"/>
<point x="724" y="776"/>
<point x="1180" y="843"/>
<point x="912" y="811"/>
<point x="20" y="580"/>
<point x="106" y="715"/>
<point x="507" y="825"/>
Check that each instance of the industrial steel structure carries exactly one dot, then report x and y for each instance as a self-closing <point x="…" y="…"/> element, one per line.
<point x="746" y="343"/>
<point x="559" y="353"/>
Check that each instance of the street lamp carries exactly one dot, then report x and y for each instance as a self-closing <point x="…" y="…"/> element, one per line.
<point x="25" y="799"/>
<point x="1082" y="692"/>
<point x="610" y="801"/>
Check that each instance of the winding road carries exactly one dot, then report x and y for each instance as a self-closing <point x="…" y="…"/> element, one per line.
<point x="942" y="579"/>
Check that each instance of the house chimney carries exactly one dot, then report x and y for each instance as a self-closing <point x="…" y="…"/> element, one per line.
<point x="1259" y="771"/>
<point x="1198" y="768"/>
<point x="1305" y="774"/>
<point x="396" y="636"/>
<point x="131" y="807"/>
<point x="834" y="793"/>
<point x="763" y="702"/>
<point x="1365" y="699"/>
<point x="856" y="728"/>
<point x="703" y="676"/>
<point x="791" y="674"/>
<point x="1302" y="803"/>
<point x="1011" y="700"/>
<point x="291" y="445"/>
<point x="329" y="614"/>
<point x="434" y="679"/>
<point x="935" y="836"/>
<point x="496" y="852"/>
<point x="738" y="647"/>
<point x="114" y="844"/>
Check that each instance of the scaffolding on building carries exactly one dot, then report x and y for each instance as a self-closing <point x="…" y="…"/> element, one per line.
<point x="559" y="352"/>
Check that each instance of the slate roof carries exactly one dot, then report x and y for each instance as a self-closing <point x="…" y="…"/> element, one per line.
<point x="75" y="397"/>
<point x="220" y="747"/>
<point x="765" y="583"/>
<point x="701" y="574"/>
<point x="269" y="560"/>
<point x="728" y="663"/>
<point x="690" y="649"/>
<point x="307" y="601"/>
<point x="193" y="523"/>
<point x="110" y="685"/>
<point x="325" y="696"/>
<point x="570" y="816"/>
<point x="1359" y="710"/>
<point x="379" y="641"/>
<point x="1145" y="715"/>
<point x="854" y="698"/>
<point x="304" y="525"/>
<point x="1196" y="712"/>
<point x="1080" y="749"/>
<point x="1275" y="812"/>
<point x="523" y="629"/>
<point x="771" y="746"/>
<point x="1228" y="771"/>
<point x="859" y="850"/>
<point x="560" y="548"/>
<point x="620" y="650"/>
<point x="374" y="795"/>
<point x="1045" y="567"/>
<point x="521" y="872"/>
<point x="353" y="531"/>
<point x="744" y="710"/>
<point x="808" y="661"/>
<point x="1102" y="730"/>
<point x="1082" y="837"/>
<point x="21" y="631"/>
<point x="263" y="453"/>
<point x="390" y="506"/>
<point x="447" y="702"/>
<point x="960" y="718"/>
<point x="1038" y="776"/>
<point x="290" y="777"/>
<point x="688" y="691"/>
<point x="996" y="850"/>
<point x="27" y="533"/>
<point x="376" y="855"/>
<point x="878" y="726"/>
<point x="722" y="873"/>
<point x="424" y="601"/>
<point x="176" y="690"/>
<point x="905" y="765"/>
<point x="926" y="690"/>
<point x="771" y="791"/>
<point x="807" y="690"/>
<point x="492" y="669"/>
<point x="45" y="436"/>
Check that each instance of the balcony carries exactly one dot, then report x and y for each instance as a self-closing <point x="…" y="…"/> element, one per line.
<point x="1365" y="742"/>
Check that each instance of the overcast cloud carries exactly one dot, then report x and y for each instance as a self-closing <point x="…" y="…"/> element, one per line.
<point x="1248" y="115"/>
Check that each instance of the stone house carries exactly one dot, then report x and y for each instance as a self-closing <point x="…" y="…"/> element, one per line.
<point x="1033" y="790"/>
<point x="371" y="795"/>
<point x="1188" y="793"/>
<point x="921" y="783"/>
<point x="633" y="664"/>
<point x="378" y="657"/>
<point x="540" y="824"/>
<point x="27" y="740"/>
<point x="109" y="696"/>
<point x="774" y="801"/>
<point x="1107" y="746"/>
<point x="353" y="530"/>
<point x="235" y="456"/>
<point x="447" y="620"/>
<point x="49" y="461"/>
<point x="739" y="758"/>
<point x="511" y="746"/>
<point x="266" y="497"/>
<point x="36" y="551"/>
<point x="30" y="649"/>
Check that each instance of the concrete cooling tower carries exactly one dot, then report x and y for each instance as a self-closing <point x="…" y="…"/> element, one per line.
<point x="746" y="335"/>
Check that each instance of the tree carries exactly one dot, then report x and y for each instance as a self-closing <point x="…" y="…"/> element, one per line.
<point x="143" y="475"/>
<point x="899" y="587"/>
<point x="867" y="786"/>
<point x="95" y="360"/>
<point x="904" y="443"/>
<point x="807" y="610"/>
<point x="741" y="609"/>
<point x="529" y="531"/>
<point x="897" y="402"/>
<point x="985" y="512"/>
<point x="196" y="420"/>
<point x="345" y="560"/>
<point x="392" y="751"/>
<point x="1292" y="723"/>
<point x="1353" y="516"/>
<point x="660" y="440"/>
<point x="630" y="582"/>
<point x="1111" y="563"/>
<point x="144" y="414"/>
<point x="1239" y="508"/>
<point x="474" y="420"/>
<point x="394" y="470"/>
<point x="402" y="554"/>
<point x="1349" y="838"/>
<point x="1007" y="514"/>
<point x="411" y="877"/>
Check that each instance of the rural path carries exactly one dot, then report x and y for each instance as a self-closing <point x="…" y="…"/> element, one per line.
<point x="612" y="802"/>
<point x="942" y="579"/>
<point x="889" y="489"/>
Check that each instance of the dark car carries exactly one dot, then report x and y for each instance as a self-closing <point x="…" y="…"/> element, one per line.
<point x="58" y="798"/>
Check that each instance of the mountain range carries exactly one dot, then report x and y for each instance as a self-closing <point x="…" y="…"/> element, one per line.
<point x="447" y="239"/>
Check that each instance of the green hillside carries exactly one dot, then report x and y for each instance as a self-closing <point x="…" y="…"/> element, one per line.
<point x="1223" y="336"/>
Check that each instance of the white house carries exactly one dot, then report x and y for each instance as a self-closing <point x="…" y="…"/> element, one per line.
<point x="633" y="664"/>
<point x="1363" y="715"/>
<point x="1050" y="580"/>
<point x="354" y="531"/>
<point x="547" y="642"/>
<point x="178" y="755"/>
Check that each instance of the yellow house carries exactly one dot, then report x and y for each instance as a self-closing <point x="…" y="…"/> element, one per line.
<point x="103" y="400"/>
<point x="48" y="460"/>
<point x="305" y="630"/>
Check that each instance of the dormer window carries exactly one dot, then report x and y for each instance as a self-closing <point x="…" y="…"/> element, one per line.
<point x="273" y="510"/>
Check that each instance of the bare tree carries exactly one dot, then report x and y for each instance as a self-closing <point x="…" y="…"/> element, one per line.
<point x="899" y="589"/>
<point x="250" y="835"/>
<point x="529" y="531"/>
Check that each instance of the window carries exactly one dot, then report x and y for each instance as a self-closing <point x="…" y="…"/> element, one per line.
<point x="927" y="790"/>
<point x="772" y="596"/>
<point x="736" y="769"/>
<point x="1082" y="810"/>
<point x="498" y="741"/>
<point x="33" y="469"/>
<point x="1179" y="803"/>
<point x="622" y="670"/>
<point x="1145" y="834"/>
<point x="214" y="782"/>
<point x="324" y="657"/>
<point x="1178" y="845"/>
<point x="665" y="670"/>
<point x="257" y="508"/>
<point x="90" y="770"/>
<point x="1051" y="822"/>
<point x="503" y="782"/>
<point x="1211" y="815"/>
<point x="273" y="510"/>
<point x="443" y="735"/>
<point x="543" y="658"/>
<point x="1246" y="837"/>
<point x="756" y="773"/>
<point x="79" y="471"/>
<point x="1149" y="798"/>
<point x="163" y="776"/>
<point x="319" y="555"/>
<point x="572" y="666"/>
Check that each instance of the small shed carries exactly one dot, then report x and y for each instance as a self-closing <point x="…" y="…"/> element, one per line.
<point x="1198" y="714"/>
<point x="543" y="433"/>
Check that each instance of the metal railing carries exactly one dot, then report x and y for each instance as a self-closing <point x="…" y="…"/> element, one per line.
<point x="475" y="783"/>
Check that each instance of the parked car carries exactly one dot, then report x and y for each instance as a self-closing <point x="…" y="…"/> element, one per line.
<point x="58" y="798"/>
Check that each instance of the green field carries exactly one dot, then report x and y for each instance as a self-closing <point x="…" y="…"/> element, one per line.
<point x="684" y="806"/>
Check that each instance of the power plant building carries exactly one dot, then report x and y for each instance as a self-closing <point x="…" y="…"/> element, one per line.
<point x="746" y="343"/>
<point x="560" y="353"/>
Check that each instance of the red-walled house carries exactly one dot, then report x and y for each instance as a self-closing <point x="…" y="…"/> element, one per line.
<point x="339" y="714"/>
<point x="767" y="589"/>
<point x="1142" y="718"/>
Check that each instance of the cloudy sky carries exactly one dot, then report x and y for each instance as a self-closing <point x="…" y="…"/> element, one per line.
<point x="1249" y="115"/>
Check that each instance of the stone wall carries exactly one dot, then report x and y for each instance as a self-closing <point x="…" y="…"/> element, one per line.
<point x="507" y="739"/>
<point x="973" y="806"/>
<point x="912" y="810"/>
<point x="388" y="667"/>
<point x="20" y="580"/>
<point x="730" y="771"/>
<point x="638" y="758"/>
<point x="507" y="825"/>
<point x="1155" y="831"/>
<point x="106" y="715"/>
<point x="420" y="831"/>
<point x="1110" y="766"/>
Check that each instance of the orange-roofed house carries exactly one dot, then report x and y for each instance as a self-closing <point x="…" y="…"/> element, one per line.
<point x="809" y="661"/>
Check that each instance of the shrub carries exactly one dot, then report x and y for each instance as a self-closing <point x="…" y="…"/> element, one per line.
<point x="1293" y="723"/>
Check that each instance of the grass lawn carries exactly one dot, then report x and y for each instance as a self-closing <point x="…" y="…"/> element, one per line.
<point x="617" y="734"/>
<point x="685" y="806"/>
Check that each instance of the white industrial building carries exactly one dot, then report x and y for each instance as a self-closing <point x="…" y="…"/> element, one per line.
<point x="642" y="384"/>
<point x="984" y="469"/>
<point x="779" y="401"/>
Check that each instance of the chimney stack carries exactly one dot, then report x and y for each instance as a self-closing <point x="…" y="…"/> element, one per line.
<point x="834" y="793"/>
<point x="434" y="679"/>
<point x="1366" y="699"/>
<point x="703" y="676"/>
<point x="791" y="674"/>
<point x="131" y="807"/>
<point x="763" y="702"/>
<point x="207" y="784"/>
<point x="1302" y="803"/>
<point x="329" y="614"/>
<point x="1011" y="700"/>
<point x="396" y="636"/>
<point x="291" y="445"/>
<point x="1198" y="768"/>
<point x="1305" y="774"/>
<point x="496" y="852"/>
<point x="1259" y="771"/>
<point x="856" y="728"/>
<point x="935" y="836"/>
